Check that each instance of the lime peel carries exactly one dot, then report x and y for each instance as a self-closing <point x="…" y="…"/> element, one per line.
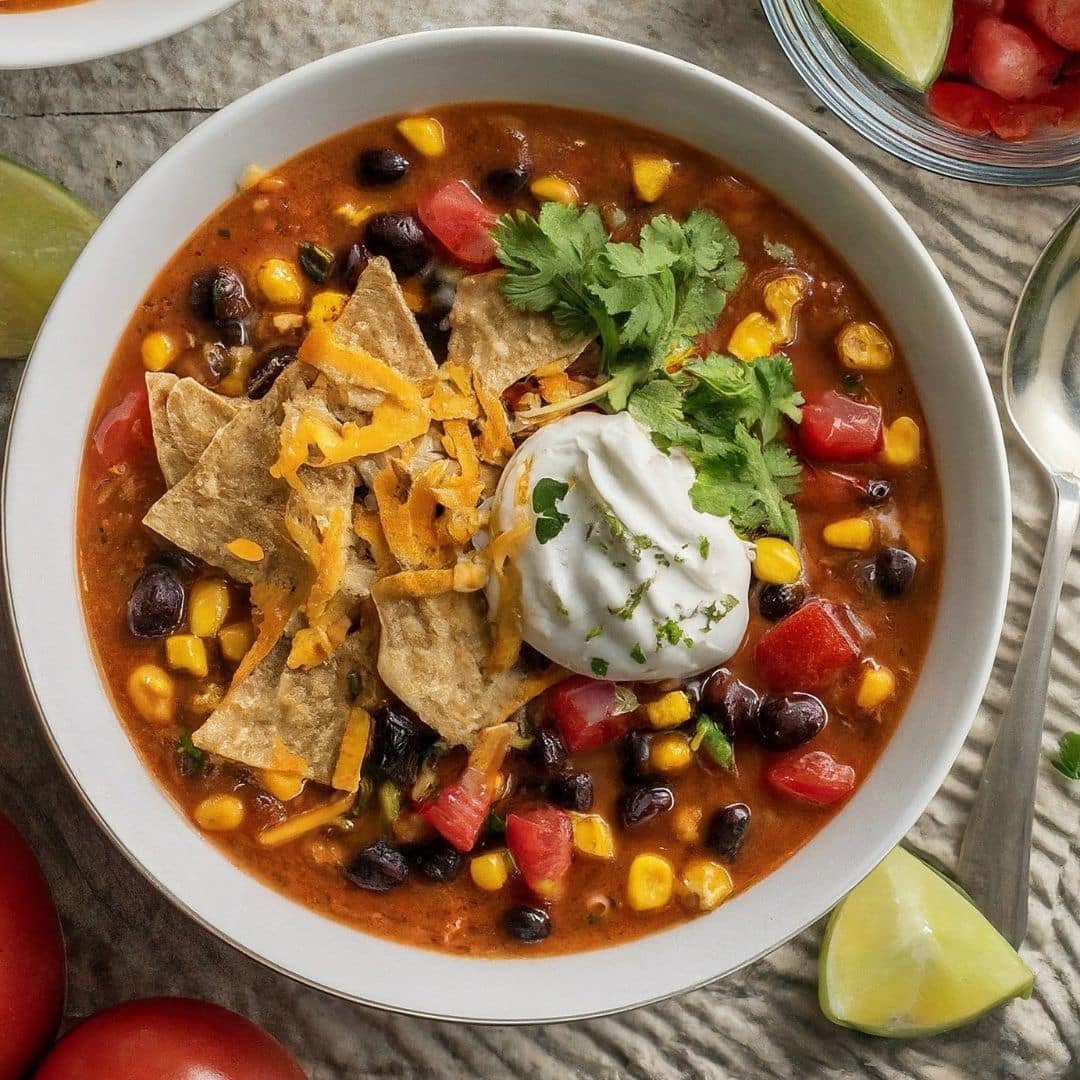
<point x="907" y="954"/>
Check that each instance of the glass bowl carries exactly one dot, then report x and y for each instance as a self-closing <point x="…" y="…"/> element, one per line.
<point x="898" y="120"/>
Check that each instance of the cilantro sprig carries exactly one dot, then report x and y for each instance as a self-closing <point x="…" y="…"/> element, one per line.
<point x="550" y="520"/>
<point x="1067" y="761"/>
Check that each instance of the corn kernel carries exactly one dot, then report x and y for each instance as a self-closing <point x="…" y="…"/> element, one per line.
<point x="670" y="753"/>
<point x="326" y="307"/>
<point x="282" y="785"/>
<point x="219" y="813"/>
<point x="251" y="175"/>
<point x="705" y="884"/>
<point x="279" y="282"/>
<point x="851" y="534"/>
<point x="864" y="347"/>
<point x="671" y="710"/>
<point x="491" y="870"/>
<point x="776" y="562"/>
<point x="208" y="605"/>
<point x="235" y="640"/>
<point x="757" y="334"/>
<point x="158" y="351"/>
<point x="554" y="189"/>
<point x="186" y="652"/>
<point x="425" y="133"/>
<point x="150" y="689"/>
<point x="902" y="442"/>
<point x="877" y="685"/>
<point x="686" y="823"/>
<point x="650" y="883"/>
<point x="247" y="550"/>
<point x="354" y="215"/>
<point x="753" y="337"/>
<point x="592" y="836"/>
<point x="651" y="176"/>
<point x="243" y="362"/>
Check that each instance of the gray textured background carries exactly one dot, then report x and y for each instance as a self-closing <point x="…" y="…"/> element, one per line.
<point x="95" y="128"/>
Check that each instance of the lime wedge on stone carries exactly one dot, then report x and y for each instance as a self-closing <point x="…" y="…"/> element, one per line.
<point x="42" y="229"/>
<point x="904" y="39"/>
<point x="906" y="953"/>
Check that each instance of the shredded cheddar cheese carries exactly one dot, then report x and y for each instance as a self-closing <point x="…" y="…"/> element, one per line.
<point x="308" y="821"/>
<point x="354" y="747"/>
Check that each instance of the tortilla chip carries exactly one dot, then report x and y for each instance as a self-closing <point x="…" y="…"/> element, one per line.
<point x="276" y="714"/>
<point x="502" y="343"/>
<point x="432" y="653"/>
<point x="185" y="416"/>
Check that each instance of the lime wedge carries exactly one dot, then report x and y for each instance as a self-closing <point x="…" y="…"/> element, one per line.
<point x="904" y="39"/>
<point x="906" y="953"/>
<point x="42" y="229"/>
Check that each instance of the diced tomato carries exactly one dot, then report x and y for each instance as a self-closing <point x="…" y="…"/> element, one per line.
<point x="1020" y="120"/>
<point x="1065" y="97"/>
<point x="456" y="215"/>
<point x="825" y="489"/>
<point x="125" y="429"/>
<point x="966" y="13"/>
<point x="459" y="810"/>
<point x="584" y="712"/>
<point x="815" y="777"/>
<point x="805" y="651"/>
<point x="963" y="106"/>
<point x="838" y="428"/>
<point x="1014" y="62"/>
<point x="1059" y="20"/>
<point x="541" y="839"/>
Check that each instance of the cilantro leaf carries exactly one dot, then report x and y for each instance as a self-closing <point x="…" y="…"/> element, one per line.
<point x="1067" y="761"/>
<point x="550" y="521"/>
<point x="599" y="666"/>
<point x="658" y="407"/>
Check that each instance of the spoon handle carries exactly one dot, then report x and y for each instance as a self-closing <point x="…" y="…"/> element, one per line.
<point x="996" y="850"/>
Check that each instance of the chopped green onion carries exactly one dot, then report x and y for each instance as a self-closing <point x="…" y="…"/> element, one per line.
<point x="599" y="666"/>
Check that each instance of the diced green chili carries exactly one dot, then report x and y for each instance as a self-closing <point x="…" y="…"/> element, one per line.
<point x="709" y="739"/>
<point x="316" y="261"/>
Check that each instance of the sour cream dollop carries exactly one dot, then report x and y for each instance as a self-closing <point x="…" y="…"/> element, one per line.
<point x="635" y="583"/>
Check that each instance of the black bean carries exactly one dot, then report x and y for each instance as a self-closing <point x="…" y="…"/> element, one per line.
<point x="573" y="792"/>
<point x="400" y="238"/>
<point x="156" y="605"/>
<point x="731" y="703"/>
<point x="356" y="260"/>
<point x="642" y="804"/>
<point x="378" y="867"/>
<point x="271" y="364"/>
<point x="438" y="861"/>
<point x="527" y="924"/>
<point x="634" y="754"/>
<point x="727" y="830"/>
<point x="201" y="294"/>
<point x="505" y="183"/>
<point x="894" y="571"/>
<point x="878" y="491"/>
<point x="380" y="166"/>
<point x="400" y="740"/>
<point x="180" y="561"/>
<point x="789" y="720"/>
<point x="228" y="297"/>
<point x="776" y="602"/>
<point x="217" y="359"/>
<point x="547" y="751"/>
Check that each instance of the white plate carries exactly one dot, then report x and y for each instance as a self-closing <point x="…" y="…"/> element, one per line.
<point x="95" y="28"/>
<point x="320" y="100"/>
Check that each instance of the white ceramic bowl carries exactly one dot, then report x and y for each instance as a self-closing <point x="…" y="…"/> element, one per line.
<point x="407" y="73"/>
<point x="94" y="28"/>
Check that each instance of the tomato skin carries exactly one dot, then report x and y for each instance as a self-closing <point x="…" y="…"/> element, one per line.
<point x="168" y="1039"/>
<point x="458" y="811"/>
<point x="541" y="839"/>
<point x="461" y="222"/>
<point x="805" y="651"/>
<point x="836" y="427"/>
<point x="125" y="429"/>
<point x="815" y="777"/>
<point x="1012" y="61"/>
<point x="32" y="965"/>
<point x="1059" y="20"/>
<point x="963" y="106"/>
<point x="584" y="712"/>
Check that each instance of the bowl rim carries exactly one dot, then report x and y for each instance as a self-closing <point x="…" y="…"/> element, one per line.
<point x="577" y="965"/>
<point x="94" y="29"/>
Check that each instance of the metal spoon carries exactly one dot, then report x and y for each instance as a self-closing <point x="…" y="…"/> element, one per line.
<point x="1042" y="395"/>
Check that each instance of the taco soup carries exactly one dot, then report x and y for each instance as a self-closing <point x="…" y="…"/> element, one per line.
<point x="507" y="530"/>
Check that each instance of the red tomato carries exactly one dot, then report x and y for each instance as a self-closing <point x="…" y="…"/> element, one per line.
<point x="1065" y="97"/>
<point x="1059" y="20"/>
<point x="124" y="429"/>
<point x="838" y="428"/>
<point x="814" y="776"/>
<point x="1012" y="61"/>
<point x="168" y="1039"/>
<point x="459" y="810"/>
<point x="456" y="215"/>
<point x="966" y="13"/>
<point x="825" y="489"/>
<point x="31" y="957"/>
<point x="963" y="106"/>
<point x="805" y="651"/>
<point x="584" y="712"/>
<point x="1020" y="120"/>
<point x="541" y="840"/>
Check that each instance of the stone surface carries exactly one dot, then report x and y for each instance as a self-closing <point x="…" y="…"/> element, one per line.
<point x="95" y="128"/>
